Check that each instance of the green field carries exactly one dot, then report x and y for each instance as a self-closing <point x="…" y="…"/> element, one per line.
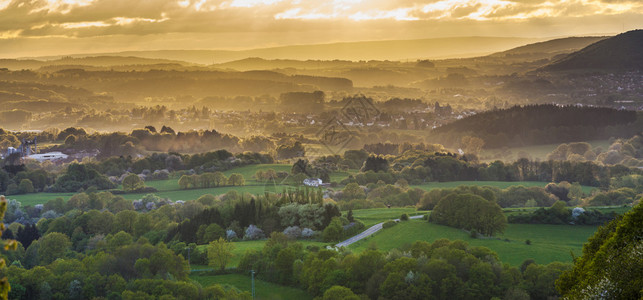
<point x="170" y="188"/>
<point x="241" y="247"/>
<point x="549" y="243"/>
<point x="373" y="216"/>
<point x="263" y="289"/>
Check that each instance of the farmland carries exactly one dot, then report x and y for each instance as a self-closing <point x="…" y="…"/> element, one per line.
<point x="549" y="243"/>
<point x="264" y="289"/>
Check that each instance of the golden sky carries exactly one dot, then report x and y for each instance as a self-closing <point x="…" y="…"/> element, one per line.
<point x="50" y="27"/>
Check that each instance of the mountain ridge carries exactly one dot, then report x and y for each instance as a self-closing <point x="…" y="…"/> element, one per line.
<point x="618" y="53"/>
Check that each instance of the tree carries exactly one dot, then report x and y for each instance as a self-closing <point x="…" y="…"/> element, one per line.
<point x="207" y="200"/>
<point x="471" y="145"/>
<point x="220" y="253"/>
<point x="70" y="140"/>
<point x="353" y="191"/>
<point x="236" y="179"/>
<point x="375" y="164"/>
<point x="220" y="179"/>
<point x="213" y="232"/>
<point x="53" y="246"/>
<point x="7" y="244"/>
<point x="334" y="231"/>
<point x="340" y="293"/>
<point x="469" y="211"/>
<point x="184" y="182"/>
<point x="611" y="265"/>
<point x="25" y="186"/>
<point x="125" y="220"/>
<point x="133" y="183"/>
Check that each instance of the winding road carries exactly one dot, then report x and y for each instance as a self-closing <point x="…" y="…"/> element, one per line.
<point x="373" y="229"/>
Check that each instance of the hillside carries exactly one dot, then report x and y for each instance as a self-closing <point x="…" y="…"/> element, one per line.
<point x="551" y="47"/>
<point x="539" y="124"/>
<point x="619" y="53"/>
<point x="365" y="50"/>
<point x="95" y="61"/>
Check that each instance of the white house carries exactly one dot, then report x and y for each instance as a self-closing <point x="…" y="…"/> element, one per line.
<point x="312" y="182"/>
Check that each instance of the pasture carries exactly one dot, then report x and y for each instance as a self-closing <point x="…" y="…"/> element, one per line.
<point x="373" y="216"/>
<point x="263" y="289"/>
<point x="169" y="188"/>
<point x="241" y="247"/>
<point x="549" y="243"/>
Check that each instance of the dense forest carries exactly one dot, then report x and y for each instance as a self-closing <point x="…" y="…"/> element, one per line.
<point x="541" y="124"/>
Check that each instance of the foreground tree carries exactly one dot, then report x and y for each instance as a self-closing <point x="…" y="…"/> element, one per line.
<point x="612" y="263"/>
<point x="7" y="245"/>
<point x="220" y="253"/>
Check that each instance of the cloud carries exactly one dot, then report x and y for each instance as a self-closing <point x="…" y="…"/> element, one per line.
<point x="273" y="22"/>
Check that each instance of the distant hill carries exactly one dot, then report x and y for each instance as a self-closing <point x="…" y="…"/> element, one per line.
<point x="619" y="53"/>
<point x="552" y="47"/>
<point x="367" y="50"/>
<point x="96" y="61"/>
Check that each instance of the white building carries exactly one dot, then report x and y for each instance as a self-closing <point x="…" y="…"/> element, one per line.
<point x="313" y="182"/>
<point x="51" y="156"/>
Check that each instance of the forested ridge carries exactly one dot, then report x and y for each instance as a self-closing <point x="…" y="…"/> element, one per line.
<point x="541" y="124"/>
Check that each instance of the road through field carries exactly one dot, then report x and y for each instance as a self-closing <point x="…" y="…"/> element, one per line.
<point x="373" y="229"/>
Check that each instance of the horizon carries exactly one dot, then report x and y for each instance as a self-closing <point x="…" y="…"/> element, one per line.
<point x="125" y="52"/>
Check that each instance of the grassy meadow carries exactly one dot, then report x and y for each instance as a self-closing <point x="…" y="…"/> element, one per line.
<point x="373" y="216"/>
<point x="549" y="243"/>
<point x="241" y="247"/>
<point x="263" y="289"/>
<point x="169" y="188"/>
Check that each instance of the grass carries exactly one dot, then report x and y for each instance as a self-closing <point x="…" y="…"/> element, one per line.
<point x="263" y="289"/>
<point x="549" y="243"/>
<point x="373" y="216"/>
<point x="169" y="188"/>
<point x="241" y="247"/>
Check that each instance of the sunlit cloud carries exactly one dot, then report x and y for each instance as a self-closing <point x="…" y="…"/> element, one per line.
<point x="62" y="6"/>
<point x="275" y="22"/>
<point x="252" y="3"/>
<point x="83" y="25"/>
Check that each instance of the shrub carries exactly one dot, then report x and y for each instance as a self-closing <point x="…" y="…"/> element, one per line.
<point x="528" y="242"/>
<point x="404" y="217"/>
<point x="230" y="234"/>
<point x="307" y="233"/>
<point x="253" y="233"/>
<point x="389" y="224"/>
<point x="293" y="232"/>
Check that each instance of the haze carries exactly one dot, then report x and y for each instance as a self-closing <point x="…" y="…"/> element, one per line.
<point x="56" y="27"/>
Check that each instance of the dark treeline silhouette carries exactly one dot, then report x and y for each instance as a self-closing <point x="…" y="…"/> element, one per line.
<point x="540" y="124"/>
<point x="444" y="166"/>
